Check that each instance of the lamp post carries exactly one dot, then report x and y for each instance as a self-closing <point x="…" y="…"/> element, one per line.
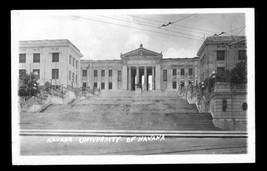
<point x="196" y="81"/>
<point x="213" y="78"/>
<point x="51" y="87"/>
<point x="62" y="90"/>
<point x="72" y="83"/>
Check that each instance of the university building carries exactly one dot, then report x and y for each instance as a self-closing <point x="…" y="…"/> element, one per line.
<point x="218" y="53"/>
<point x="139" y="68"/>
<point x="60" y="61"/>
<point x="55" y="61"/>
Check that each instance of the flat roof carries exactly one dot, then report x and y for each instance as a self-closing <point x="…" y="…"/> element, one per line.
<point x="48" y="42"/>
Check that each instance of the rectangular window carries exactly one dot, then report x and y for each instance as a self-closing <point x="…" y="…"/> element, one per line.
<point x="220" y="55"/>
<point x="22" y="71"/>
<point x="190" y="71"/>
<point x="22" y="58"/>
<point x="72" y="77"/>
<point x="70" y="59"/>
<point x="73" y="61"/>
<point x="84" y="73"/>
<point x="55" y="73"/>
<point x="55" y="57"/>
<point x="119" y="76"/>
<point x="182" y="71"/>
<point x="174" y="85"/>
<point x="69" y="75"/>
<point x="95" y="85"/>
<point x="36" y="72"/>
<point x="102" y="73"/>
<point x="242" y="55"/>
<point x="164" y="75"/>
<point x="76" y="79"/>
<point x="36" y="57"/>
<point x="174" y="72"/>
<point x="110" y="85"/>
<point x="76" y="64"/>
<point x="110" y="73"/>
<point x="95" y="73"/>
<point x="102" y="86"/>
<point x="220" y="69"/>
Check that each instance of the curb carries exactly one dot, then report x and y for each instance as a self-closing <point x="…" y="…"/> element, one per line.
<point x="137" y="133"/>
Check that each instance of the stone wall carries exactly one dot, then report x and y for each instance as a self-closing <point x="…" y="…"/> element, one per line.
<point x="233" y="117"/>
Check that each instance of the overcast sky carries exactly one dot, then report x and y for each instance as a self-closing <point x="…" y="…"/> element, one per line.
<point x="106" y="34"/>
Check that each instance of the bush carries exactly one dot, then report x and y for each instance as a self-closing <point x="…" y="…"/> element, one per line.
<point x="28" y="85"/>
<point x="239" y="73"/>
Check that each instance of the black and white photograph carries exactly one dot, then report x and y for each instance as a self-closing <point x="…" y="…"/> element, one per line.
<point x="133" y="86"/>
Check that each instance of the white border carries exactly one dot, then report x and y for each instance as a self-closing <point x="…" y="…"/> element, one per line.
<point x="131" y="159"/>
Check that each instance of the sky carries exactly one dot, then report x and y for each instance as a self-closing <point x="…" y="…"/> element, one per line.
<point x="105" y="34"/>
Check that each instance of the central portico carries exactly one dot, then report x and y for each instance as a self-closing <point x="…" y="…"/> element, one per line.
<point x="141" y="69"/>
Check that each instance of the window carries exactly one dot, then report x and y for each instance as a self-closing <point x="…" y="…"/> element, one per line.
<point x="36" y="57"/>
<point x="73" y="62"/>
<point x="22" y="71"/>
<point x="70" y="59"/>
<point x="36" y="72"/>
<point x="174" y="72"/>
<point x="95" y="73"/>
<point x="84" y="73"/>
<point x="164" y="75"/>
<point x="190" y="71"/>
<point x="84" y="85"/>
<point x="55" y="57"/>
<point x="55" y="73"/>
<point x="182" y="71"/>
<point x="76" y="64"/>
<point x="242" y="55"/>
<point x="69" y="75"/>
<point x="102" y="73"/>
<point x="102" y="86"/>
<point x="119" y="76"/>
<point x="22" y="58"/>
<point x="95" y="85"/>
<point x="220" y="55"/>
<point x="174" y="85"/>
<point x="110" y="73"/>
<point x="110" y="85"/>
<point x="76" y="79"/>
<point x="72" y="77"/>
<point x="220" y="69"/>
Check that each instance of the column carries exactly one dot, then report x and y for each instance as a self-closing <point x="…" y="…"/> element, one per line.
<point x="130" y="78"/>
<point x="99" y="78"/>
<point x="106" y="79"/>
<point x="153" y="79"/>
<point x="124" y="77"/>
<point x="137" y="74"/>
<point x="158" y="80"/>
<point x="145" y="76"/>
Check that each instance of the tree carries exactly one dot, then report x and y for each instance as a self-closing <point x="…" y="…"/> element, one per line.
<point x="28" y="85"/>
<point x="239" y="73"/>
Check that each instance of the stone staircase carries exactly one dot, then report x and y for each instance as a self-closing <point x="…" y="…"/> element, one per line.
<point x="128" y="111"/>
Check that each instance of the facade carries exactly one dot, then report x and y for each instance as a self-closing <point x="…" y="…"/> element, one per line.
<point x="140" y="68"/>
<point x="227" y="103"/>
<point x="219" y="53"/>
<point x="52" y="60"/>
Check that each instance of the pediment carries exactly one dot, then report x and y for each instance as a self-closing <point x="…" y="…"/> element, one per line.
<point x="141" y="52"/>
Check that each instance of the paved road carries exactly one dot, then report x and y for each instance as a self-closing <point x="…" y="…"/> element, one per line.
<point x="78" y="145"/>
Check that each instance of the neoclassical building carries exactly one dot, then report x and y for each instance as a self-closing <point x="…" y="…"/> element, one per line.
<point x="56" y="61"/>
<point x="140" y="67"/>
